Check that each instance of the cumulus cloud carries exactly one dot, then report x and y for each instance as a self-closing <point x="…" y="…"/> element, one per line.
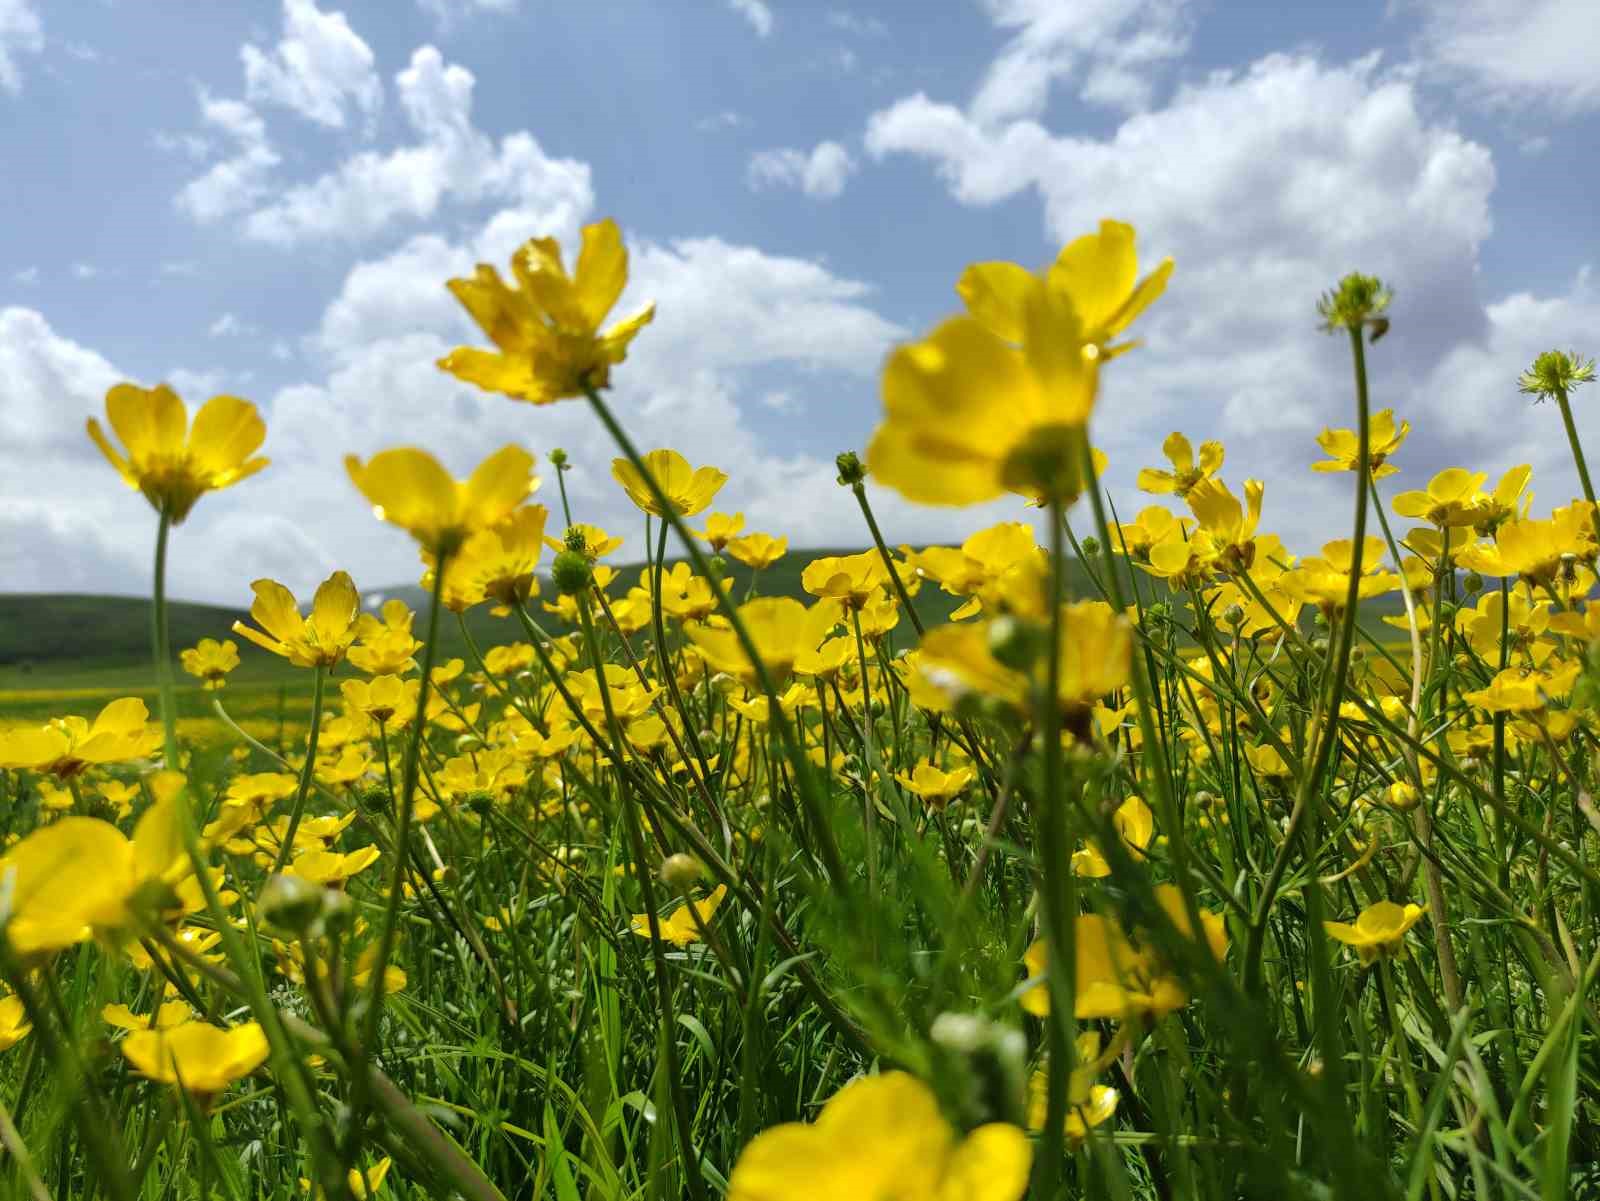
<point x="820" y="172"/>
<point x="1539" y="51"/>
<point x="1268" y="183"/>
<point x="757" y="12"/>
<point x="319" y="69"/>
<point x="237" y="181"/>
<point x="447" y="13"/>
<point x="451" y="159"/>
<point x="21" y="32"/>
<point x="1112" y="47"/>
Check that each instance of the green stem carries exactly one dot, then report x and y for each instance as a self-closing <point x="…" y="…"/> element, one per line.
<point x="799" y="765"/>
<point x="307" y="771"/>
<point x="161" y="644"/>
<point x="860" y="490"/>
<point x="1577" y="448"/>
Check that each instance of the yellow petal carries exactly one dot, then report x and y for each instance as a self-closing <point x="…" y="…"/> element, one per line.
<point x="995" y="294"/>
<point x="602" y="270"/>
<point x="1096" y="273"/>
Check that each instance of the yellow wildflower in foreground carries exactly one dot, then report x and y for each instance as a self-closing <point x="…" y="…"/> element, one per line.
<point x="1379" y="930"/>
<point x="686" y="923"/>
<point x="409" y="488"/>
<point x="14" y="1023"/>
<point x="996" y="401"/>
<point x="318" y="639"/>
<point x="171" y="463"/>
<point x="68" y="746"/>
<point x="852" y="579"/>
<point x="548" y="328"/>
<point x="883" y="1137"/>
<point x="172" y="1013"/>
<point x="80" y="876"/>
<point x="197" y="1056"/>
<point x="690" y="489"/>
<point x="210" y="661"/>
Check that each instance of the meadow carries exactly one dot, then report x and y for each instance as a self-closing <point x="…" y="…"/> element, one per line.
<point x="1112" y="856"/>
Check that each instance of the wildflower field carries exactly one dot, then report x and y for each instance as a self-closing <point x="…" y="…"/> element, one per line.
<point x="1122" y="856"/>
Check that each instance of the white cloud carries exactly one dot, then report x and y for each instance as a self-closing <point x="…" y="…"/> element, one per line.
<point x="727" y="119"/>
<point x="1267" y="184"/>
<point x="1516" y="51"/>
<point x="451" y="159"/>
<point x="1113" y="46"/>
<point x="229" y="326"/>
<point x="190" y="145"/>
<point x="855" y="23"/>
<point x="235" y="182"/>
<point x="757" y="12"/>
<point x="195" y="386"/>
<point x="27" y="275"/>
<point x="21" y="32"/>
<point x="448" y="12"/>
<point x="820" y="173"/>
<point x="319" y="68"/>
<point x="84" y="270"/>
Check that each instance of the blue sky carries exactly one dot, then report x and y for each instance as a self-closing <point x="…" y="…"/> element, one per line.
<point x="266" y="198"/>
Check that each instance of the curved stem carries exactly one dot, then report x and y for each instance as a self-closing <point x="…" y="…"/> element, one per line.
<point x="307" y="769"/>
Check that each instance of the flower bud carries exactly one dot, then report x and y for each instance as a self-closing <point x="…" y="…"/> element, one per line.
<point x="558" y="459"/>
<point x="851" y="472"/>
<point x="1403" y="796"/>
<point x="571" y="572"/>
<point x="290" y="905"/>
<point x="680" y="871"/>
<point x="1233" y="615"/>
<point x="1472" y="582"/>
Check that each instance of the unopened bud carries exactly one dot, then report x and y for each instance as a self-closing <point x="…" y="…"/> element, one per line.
<point x="558" y="459"/>
<point x="851" y="472"/>
<point x="289" y="904"/>
<point x="1472" y="582"/>
<point x="571" y="572"/>
<point x="680" y="871"/>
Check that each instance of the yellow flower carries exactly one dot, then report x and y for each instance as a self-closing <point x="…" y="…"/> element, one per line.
<point x="783" y="630"/>
<point x="14" y="1023"/>
<point x="210" y="661"/>
<point x="1451" y="499"/>
<point x="1230" y="525"/>
<point x="1089" y="1104"/>
<point x="172" y="1013"/>
<point x="362" y="1184"/>
<point x="409" y="488"/>
<point x="1117" y="979"/>
<point x="68" y="746"/>
<point x="758" y="551"/>
<point x="1515" y="690"/>
<point x="684" y="924"/>
<point x="1344" y="446"/>
<point x="721" y="528"/>
<point x="1095" y="654"/>
<point x="498" y="563"/>
<point x="331" y="868"/>
<point x="690" y="489"/>
<point x="197" y="1056"/>
<point x="172" y="464"/>
<point x="1325" y="581"/>
<point x="936" y="787"/>
<point x="853" y="579"/>
<point x="1536" y="550"/>
<point x="1379" y="930"/>
<point x="318" y="639"/>
<point x="80" y="876"/>
<point x="385" y="645"/>
<point x="1097" y="275"/>
<point x="1185" y="473"/>
<point x="380" y="698"/>
<point x="597" y="544"/>
<point x="1135" y="823"/>
<point x="547" y="328"/>
<point x="883" y="1137"/>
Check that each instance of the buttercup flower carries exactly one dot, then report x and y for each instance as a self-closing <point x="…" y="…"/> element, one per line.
<point x="1343" y="447"/>
<point x="690" y="489"/>
<point x="1379" y="930"/>
<point x="547" y="329"/>
<point x="14" y="1023"/>
<point x="210" y="661"/>
<point x="996" y="401"/>
<point x="172" y="464"/>
<point x="782" y="629"/>
<point x="68" y="746"/>
<point x="853" y="579"/>
<point x="757" y="551"/>
<point x="317" y="639"/>
<point x="409" y="488"/>
<point x="1186" y="472"/>
<point x="686" y="923"/>
<point x="882" y="1137"/>
<point x="197" y="1056"/>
